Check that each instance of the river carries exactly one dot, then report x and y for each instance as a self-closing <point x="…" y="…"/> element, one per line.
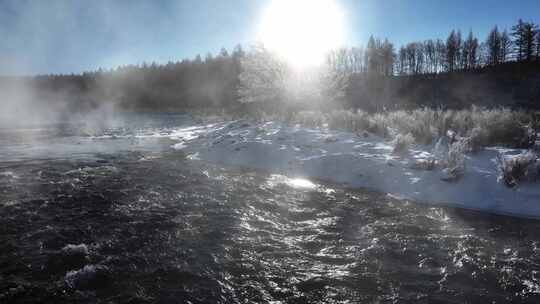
<point x="116" y="215"/>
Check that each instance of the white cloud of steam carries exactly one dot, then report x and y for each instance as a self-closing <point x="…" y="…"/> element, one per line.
<point x="23" y="104"/>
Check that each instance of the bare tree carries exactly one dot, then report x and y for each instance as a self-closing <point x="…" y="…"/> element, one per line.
<point x="473" y="50"/>
<point x="402" y="61"/>
<point x="517" y="35"/>
<point x="468" y="56"/>
<point x="223" y="53"/>
<point x="538" y="46"/>
<point x="414" y="58"/>
<point x="387" y="58"/>
<point x="332" y="59"/>
<point x="524" y="34"/>
<point x="493" y="43"/>
<point x="440" y="49"/>
<point x="238" y="52"/>
<point x="430" y="54"/>
<point x="458" y="47"/>
<point x="371" y="56"/>
<point x="420" y="62"/>
<point x="357" y="55"/>
<point x="340" y="60"/>
<point x="529" y="32"/>
<point x="482" y="54"/>
<point x="506" y="46"/>
<point x="452" y="49"/>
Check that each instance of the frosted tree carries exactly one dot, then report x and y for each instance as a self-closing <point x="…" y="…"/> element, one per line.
<point x="262" y="77"/>
<point x="267" y="78"/>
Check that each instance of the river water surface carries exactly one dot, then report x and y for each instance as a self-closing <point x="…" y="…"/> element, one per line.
<point x="118" y="216"/>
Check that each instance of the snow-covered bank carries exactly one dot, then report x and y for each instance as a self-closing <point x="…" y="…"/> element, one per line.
<point x="359" y="161"/>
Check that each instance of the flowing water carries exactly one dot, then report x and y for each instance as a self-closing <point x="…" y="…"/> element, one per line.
<point x="123" y="218"/>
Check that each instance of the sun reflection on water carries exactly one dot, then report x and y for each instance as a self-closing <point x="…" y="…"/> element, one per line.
<point x="301" y="183"/>
<point x="296" y="183"/>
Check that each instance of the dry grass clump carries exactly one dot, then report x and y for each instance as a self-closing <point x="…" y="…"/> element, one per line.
<point x="354" y="121"/>
<point x="450" y="156"/>
<point x="425" y="164"/>
<point x="357" y="121"/>
<point x="310" y="119"/>
<point x="402" y="143"/>
<point x="519" y="168"/>
<point x="379" y="125"/>
<point x="455" y="161"/>
<point x="421" y="124"/>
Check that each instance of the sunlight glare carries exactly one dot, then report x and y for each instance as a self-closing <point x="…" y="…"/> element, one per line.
<point x="298" y="183"/>
<point x="301" y="183"/>
<point x="302" y="31"/>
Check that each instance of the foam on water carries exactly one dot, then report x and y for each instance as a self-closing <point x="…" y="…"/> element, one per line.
<point x="85" y="276"/>
<point x="75" y="249"/>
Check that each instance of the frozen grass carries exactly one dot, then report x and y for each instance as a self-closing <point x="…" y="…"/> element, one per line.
<point x="519" y="168"/>
<point x="454" y="162"/>
<point x="402" y="143"/>
<point x="463" y="131"/>
<point x="482" y="127"/>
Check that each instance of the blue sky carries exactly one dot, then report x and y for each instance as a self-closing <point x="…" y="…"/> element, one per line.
<point x="64" y="36"/>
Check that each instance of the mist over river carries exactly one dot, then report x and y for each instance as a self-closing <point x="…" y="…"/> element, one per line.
<point x="110" y="212"/>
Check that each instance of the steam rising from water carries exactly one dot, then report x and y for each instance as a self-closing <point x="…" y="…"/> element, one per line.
<point x="28" y="105"/>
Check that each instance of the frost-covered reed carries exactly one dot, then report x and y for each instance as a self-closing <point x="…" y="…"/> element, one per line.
<point x="519" y="168"/>
<point x="483" y="127"/>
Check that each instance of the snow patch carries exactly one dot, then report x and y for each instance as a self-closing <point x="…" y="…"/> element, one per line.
<point x="346" y="158"/>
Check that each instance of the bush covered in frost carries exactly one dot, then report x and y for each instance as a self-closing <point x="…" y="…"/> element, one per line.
<point x="402" y="143"/>
<point x="518" y="168"/>
<point x="454" y="163"/>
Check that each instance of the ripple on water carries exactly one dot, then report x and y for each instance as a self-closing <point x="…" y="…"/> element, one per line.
<point x="165" y="230"/>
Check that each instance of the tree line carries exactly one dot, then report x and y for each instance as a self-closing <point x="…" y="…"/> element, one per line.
<point x="434" y="56"/>
<point x="209" y="81"/>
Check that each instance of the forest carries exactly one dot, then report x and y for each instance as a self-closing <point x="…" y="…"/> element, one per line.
<point x="503" y="69"/>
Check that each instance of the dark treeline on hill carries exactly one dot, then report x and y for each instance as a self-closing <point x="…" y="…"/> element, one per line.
<point x="456" y="72"/>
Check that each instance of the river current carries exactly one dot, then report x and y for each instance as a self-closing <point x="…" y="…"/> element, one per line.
<point x="116" y="215"/>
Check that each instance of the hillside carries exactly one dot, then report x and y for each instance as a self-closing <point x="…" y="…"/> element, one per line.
<point x="510" y="84"/>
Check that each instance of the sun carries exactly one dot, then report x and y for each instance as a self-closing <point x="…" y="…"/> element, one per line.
<point x="302" y="31"/>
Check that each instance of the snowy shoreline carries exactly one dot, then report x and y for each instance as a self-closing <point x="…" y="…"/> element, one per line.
<point x="358" y="162"/>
